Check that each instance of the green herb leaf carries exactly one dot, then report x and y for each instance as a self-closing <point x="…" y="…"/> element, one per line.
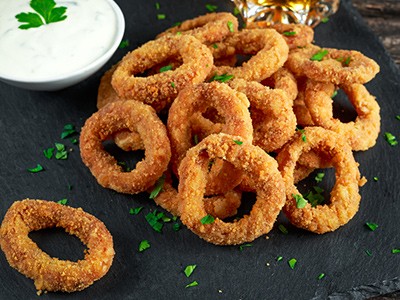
<point x="158" y="187"/>
<point x="157" y="5"/>
<point x="46" y="11"/>
<point x="391" y="139"/>
<point x="236" y="11"/>
<point x="154" y="220"/>
<point x="376" y="178"/>
<point x="144" y="245"/>
<point x="207" y="219"/>
<point x="173" y="85"/>
<point x="48" y="153"/>
<point x="303" y="133"/>
<point x="211" y="8"/>
<point x="195" y="139"/>
<point x="176" y="226"/>
<point x="347" y="61"/>
<point x="300" y="201"/>
<point x="319" y="55"/>
<point x="320" y="276"/>
<point x="230" y="26"/>
<point x="368" y="252"/>
<point x="395" y="250"/>
<point x="36" y="169"/>
<point x="325" y="20"/>
<point x="319" y="177"/>
<point x="194" y="283"/>
<point x="123" y="44"/>
<point x="136" y="210"/>
<point x="62" y="201"/>
<point x="189" y="270"/>
<point x="372" y="226"/>
<point x="283" y="229"/>
<point x="279" y="258"/>
<point x="398" y="117"/>
<point x="222" y="78"/>
<point x="334" y="94"/>
<point x="215" y="46"/>
<point x="292" y="263"/>
<point x="161" y="16"/>
<point x="165" y="68"/>
<point x="243" y="246"/>
<point x="289" y="33"/>
<point x="238" y="142"/>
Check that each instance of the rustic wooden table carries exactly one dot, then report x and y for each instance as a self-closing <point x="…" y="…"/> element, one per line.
<point x="383" y="16"/>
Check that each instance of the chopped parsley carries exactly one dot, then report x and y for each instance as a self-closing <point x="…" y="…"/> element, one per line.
<point x="325" y="20"/>
<point x="165" y="68"/>
<point x="194" y="283"/>
<point x="391" y="139"/>
<point x="279" y="258"/>
<point x="236" y="11"/>
<point x="176" y="226"/>
<point x="372" y="226"/>
<point x="318" y="178"/>
<point x="303" y="133"/>
<point x="158" y="187"/>
<point x="136" y="210"/>
<point x="395" y="251"/>
<point x="283" y="229"/>
<point x="61" y="151"/>
<point x="36" y="169"/>
<point x="334" y="94"/>
<point x="292" y="263"/>
<point x="144" y="245"/>
<point x="189" y="270"/>
<point x="157" y="5"/>
<point x="123" y="44"/>
<point x="211" y="8"/>
<point x="161" y="16"/>
<point x="173" y="84"/>
<point x="398" y="117"/>
<point x="376" y="178"/>
<point x="207" y="219"/>
<point x="315" y="198"/>
<point x="241" y="247"/>
<point x="230" y="26"/>
<point x="62" y="201"/>
<point x="347" y="61"/>
<point x="319" y="55"/>
<point x="48" y="153"/>
<point x="195" y="139"/>
<point x="300" y="201"/>
<point x="221" y="78"/>
<point x="215" y="46"/>
<point x="68" y="130"/>
<point x="368" y="252"/>
<point x="153" y="218"/>
<point x="320" y="276"/>
<point x="46" y="13"/>
<point x="289" y="33"/>
<point x="238" y="142"/>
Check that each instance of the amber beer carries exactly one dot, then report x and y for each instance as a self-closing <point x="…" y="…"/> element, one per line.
<point x="266" y="12"/>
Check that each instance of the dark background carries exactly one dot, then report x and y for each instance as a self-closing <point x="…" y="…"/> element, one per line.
<point x="33" y="121"/>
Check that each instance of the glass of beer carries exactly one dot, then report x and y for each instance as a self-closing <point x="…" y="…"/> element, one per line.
<point x="261" y="13"/>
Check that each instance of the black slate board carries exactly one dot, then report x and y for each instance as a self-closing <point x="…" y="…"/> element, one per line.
<point x="33" y="121"/>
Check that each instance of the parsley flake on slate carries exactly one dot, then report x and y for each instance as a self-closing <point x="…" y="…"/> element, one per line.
<point x="236" y="11"/>
<point x="46" y="13"/>
<point x="48" y="153"/>
<point x="368" y="252"/>
<point x="161" y="16"/>
<point x="207" y="219"/>
<point x="315" y="198"/>
<point x="300" y="201"/>
<point x="62" y="201"/>
<point x="391" y="139"/>
<point x="144" y="245"/>
<point x="36" y="169"/>
<point x="154" y="220"/>
<point x="395" y="250"/>
<point x="320" y="276"/>
<point x="194" y="283"/>
<point x="230" y="26"/>
<point x="279" y="258"/>
<point x="157" y="5"/>
<point x="189" y="270"/>
<point x="123" y="44"/>
<point x="211" y="8"/>
<point x="136" y="210"/>
<point x="372" y="226"/>
<point x="176" y="226"/>
<point x="319" y="55"/>
<point x="376" y="178"/>
<point x="398" y="117"/>
<point x="68" y="130"/>
<point x="292" y="263"/>
<point x="289" y="33"/>
<point x="221" y="78"/>
<point x="319" y="177"/>
<point x="61" y="152"/>
<point x="334" y="94"/>
<point x="242" y="247"/>
<point x="158" y="187"/>
<point x="283" y="229"/>
<point x="165" y="68"/>
<point x="325" y="20"/>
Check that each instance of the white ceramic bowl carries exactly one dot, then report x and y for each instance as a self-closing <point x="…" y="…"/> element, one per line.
<point x="52" y="83"/>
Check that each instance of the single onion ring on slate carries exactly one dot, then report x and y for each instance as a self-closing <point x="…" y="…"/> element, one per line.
<point x="345" y="197"/>
<point x="255" y="163"/>
<point x="209" y="28"/>
<point x="49" y="273"/>
<point x="336" y="66"/>
<point x="135" y="117"/>
<point x="160" y="90"/>
<point x="362" y="133"/>
<point x="267" y="46"/>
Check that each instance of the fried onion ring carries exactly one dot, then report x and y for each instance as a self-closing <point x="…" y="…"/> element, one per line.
<point x="135" y="117"/>
<point x="209" y="28"/>
<point x="267" y="46"/>
<point x="49" y="273"/>
<point x="295" y="35"/>
<point x="337" y="66"/>
<point x="160" y="90"/>
<point x="263" y="173"/>
<point x="362" y="133"/>
<point x="345" y="197"/>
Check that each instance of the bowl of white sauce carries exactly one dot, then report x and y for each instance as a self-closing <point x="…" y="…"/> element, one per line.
<point x="50" y="45"/>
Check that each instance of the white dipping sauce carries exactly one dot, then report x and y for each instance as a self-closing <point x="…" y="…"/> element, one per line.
<point x="55" y="49"/>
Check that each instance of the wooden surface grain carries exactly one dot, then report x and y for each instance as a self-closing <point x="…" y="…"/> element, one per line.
<point x="383" y="17"/>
